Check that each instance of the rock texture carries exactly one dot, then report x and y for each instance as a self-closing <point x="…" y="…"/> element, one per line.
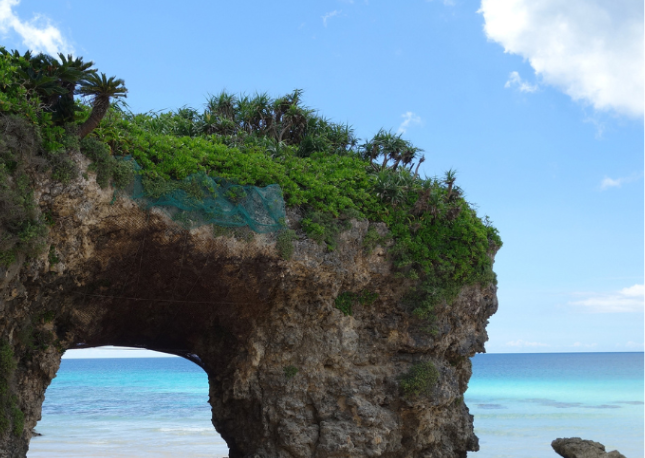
<point x="132" y="277"/>
<point x="575" y="447"/>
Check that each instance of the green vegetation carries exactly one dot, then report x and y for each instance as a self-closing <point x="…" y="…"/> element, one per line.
<point x="22" y="230"/>
<point x="346" y="301"/>
<point x="52" y="257"/>
<point x="10" y="413"/>
<point x="34" y="339"/>
<point x="290" y="371"/>
<point x="235" y="144"/>
<point x="48" y="316"/>
<point x="17" y="417"/>
<point x="284" y="243"/>
<point x="372" y="239"/>
<point x="419" y="380"/>
<point x="39" y="118"/>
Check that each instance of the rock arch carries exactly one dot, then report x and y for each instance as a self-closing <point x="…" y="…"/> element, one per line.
<point x="289" y="374"/>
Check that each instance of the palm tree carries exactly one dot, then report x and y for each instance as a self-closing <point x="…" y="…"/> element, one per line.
<point x="261" y="111"/>
<point x="70" y="73"/>
<point x="406" y="156"/>
<point x="390" y="146"/>
<point x="421" y="161"/>
<point x="102" y="89"/>
<point x="222" y="105"/>
<point x="451" y="176"/>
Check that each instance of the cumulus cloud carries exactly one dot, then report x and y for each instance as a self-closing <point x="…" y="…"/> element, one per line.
<point x="38" y="34"/>
<point x="592" y="50"/>
<point x="330" y="15"/>
<point x="523" y="343"/>
<point x="409" y="119"/>
<point x="516" y="81"/>
<point x="629" y="299"/>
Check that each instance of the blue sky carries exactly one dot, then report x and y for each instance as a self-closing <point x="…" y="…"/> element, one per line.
<point x="538" y="104"/>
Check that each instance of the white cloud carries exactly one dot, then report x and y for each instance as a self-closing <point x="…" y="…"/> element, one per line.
<point x="611" y="183"/>
<point x="629" y="299"/>
<point x="607" y="182"/>
<point x="38" y="34"/>
<point x="409" y="119"/>
<point x="592" y="50"/>
<point x="330" y="15"/>
<point x="524" y="343"/>
<point x="514" y="80"/>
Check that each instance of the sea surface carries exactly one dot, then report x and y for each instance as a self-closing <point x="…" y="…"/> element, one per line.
<point x="158" y="407"/>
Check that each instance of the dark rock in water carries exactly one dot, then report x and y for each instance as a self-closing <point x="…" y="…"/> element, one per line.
<point x="575" y="447"/>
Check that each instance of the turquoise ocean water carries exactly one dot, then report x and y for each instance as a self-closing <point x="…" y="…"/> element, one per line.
<point x="158" y="407"/>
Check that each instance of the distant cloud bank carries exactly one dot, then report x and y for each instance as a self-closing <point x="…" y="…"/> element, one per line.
<point x="592" y="50"/>
<point x="38" y="34"/>
<point x="631" y="299"/>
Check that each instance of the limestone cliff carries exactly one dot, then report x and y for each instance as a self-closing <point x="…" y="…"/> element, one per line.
<point x="290" y="375"/>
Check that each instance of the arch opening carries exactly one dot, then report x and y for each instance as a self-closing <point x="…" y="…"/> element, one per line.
<point x="117" y="401"/>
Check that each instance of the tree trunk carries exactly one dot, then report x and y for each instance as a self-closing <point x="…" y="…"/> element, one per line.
<point x="99" y="109"/>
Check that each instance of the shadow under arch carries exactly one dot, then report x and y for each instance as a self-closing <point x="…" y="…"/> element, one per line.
<point x="139" y="404"/>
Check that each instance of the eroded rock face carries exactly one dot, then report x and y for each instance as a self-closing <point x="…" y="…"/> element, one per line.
<point x="132" y="277"/>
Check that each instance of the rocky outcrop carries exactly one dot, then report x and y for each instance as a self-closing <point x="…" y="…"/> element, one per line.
<point x="290" y="375"/>
<point x="575" y="447"/>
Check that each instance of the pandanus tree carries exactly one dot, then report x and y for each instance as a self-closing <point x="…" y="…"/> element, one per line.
<point x="391" y="147"/>
<point x="219" y="117"/>
<point x="449" y="180"/>
<point x="102" y="89"/>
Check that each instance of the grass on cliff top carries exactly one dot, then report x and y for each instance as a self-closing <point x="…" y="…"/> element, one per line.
<point x="321" y="166"/>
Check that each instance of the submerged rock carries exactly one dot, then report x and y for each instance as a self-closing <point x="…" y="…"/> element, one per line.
<point x="575" y="447"/>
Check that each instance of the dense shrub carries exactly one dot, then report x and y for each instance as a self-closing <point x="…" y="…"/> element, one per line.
<point x="420" y="380"/>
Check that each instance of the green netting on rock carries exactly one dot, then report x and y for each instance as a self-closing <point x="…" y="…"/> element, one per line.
<point x="200" y="199"/>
